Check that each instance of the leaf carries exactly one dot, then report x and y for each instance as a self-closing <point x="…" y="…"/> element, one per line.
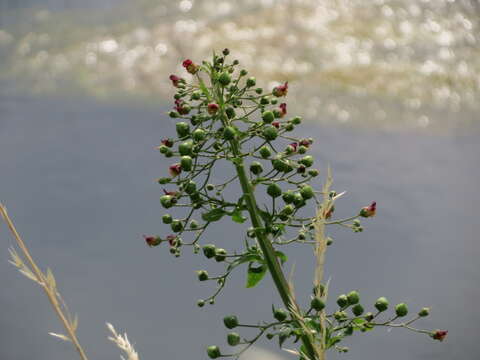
<point x="334" y="340"/>
<point x="283" y="258"/>
<point x="255" y="275"/>
<point x="283" y="335"/>
<point x="251" y="257"/>
<point x="213" y="215"/>
<point x="267" y="218"/>
<point x="238" y="217"/>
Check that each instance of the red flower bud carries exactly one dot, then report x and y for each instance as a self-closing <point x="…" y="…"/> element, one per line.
<point x="212" y="108"/>
<point x="181" y="107"/>
<point x="301" y="169"/>
<point x="175" y="170"/>
<point x="190" y="66"/>
<point x="305" y="142"/>
<point x="172" y="239"/>
<point x="167" y="142"/>
<point x="276" y="124"/>
<point x="176" y="80"/>
<point x="283" y="109"/>
<point x="439" y="335"/>
<point x="369" y="211"/>
<point x="152" y="240"/>
<point x="280" y="90"/>
<point x="294" y="146"/>
<point x="171" y="193"/>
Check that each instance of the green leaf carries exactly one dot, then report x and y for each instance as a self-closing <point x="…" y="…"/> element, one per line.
<point x="334" y="340"/>
<point x="267" y="218"/>
<point x="213" y="215"/>
<point x="255" y="275"/>
<point x="250" y="257"/>
<point x="238" y="217"/>
<point x="283" y="258"/>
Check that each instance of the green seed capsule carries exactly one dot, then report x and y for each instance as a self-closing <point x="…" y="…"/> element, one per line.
<point x="342" y="300"/>
<point x="209" y="250"/>
<point x="381" y="304"/>
<point x="256" y="168"/>
<point x="229" y="133"/>
<point x="317" y="304"/>
<point x="251" y="81"/>
<point x="230" y="321"/>
<point x="259" y="90"/>
<point x="200" y="303"/>
<point x="230" y="112"/>
<point x="274" y="190"/>
<point x="202" y="275"/>
<point x="164" y="180"/>
<point x="401" y="309"/>
<point x="288" y="196"/>
<point x="289" y="127"/>
<point x="302" y="149"/>
<point x="163" y="149"/>
<point x="224" y="78"/>
<point x="233" y="339"/>
<point x="357" y="310"/>
<point x="186" y="163"/>
<point x="185" y="148"/>
<point x="166" y="201"/>
<point x="313" y="172"/>
<point x="176" y="226"/>
<point x="280" y="314"/>
<point x="279" y="165"/>
<point x="307" y="192"/>
<point x="296" y="120"/>
<point x="424" y="312"/>
<point x="264" y="100"/>
<point x="340" y="316"/>
<point x="173" y="114"/>
<point x="268" y="117"/>
<point x="306" y="160"/>
<point x="220" y="255"/>
<point x="183" y="129"/>
<point x="167" y="219"/>
<point x="353" y="297"/>
<point x="243" y="72"/>
<point x="298" y="200"/>
<point x="199" y="135"/>
<point x="196" y="95"/>
<point x="213" y="352"/>
<point x="287" y="210"/>
<point x="270" y="132"/>
<point x="265" y="152"/>
<point x="190" y="187"/>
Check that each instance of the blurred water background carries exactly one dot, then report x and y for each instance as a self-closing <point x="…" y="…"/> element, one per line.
<point x="389" y="89"/>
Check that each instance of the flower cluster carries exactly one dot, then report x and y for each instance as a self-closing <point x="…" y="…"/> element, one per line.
<point x="223" y="116"/>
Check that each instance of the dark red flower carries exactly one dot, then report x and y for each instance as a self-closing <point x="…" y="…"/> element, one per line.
<point x="212" y="108"/>
<point x="305" y="142"/>
<point x="176" y="80"/>
<point x="280" y="90"/>
<point x="175" y="170"/>
<point x="301" y="169"/>
<point x="152" y="240"/>
<point x="294" y="146"/>
<point x="172" y="239"/>
<point x="276" y="124"/>
<point x="167" y="142"/>
<point x="171" y="193"/>
<point x="369" y="211"/>
<point x="439" y="335"/>
<point x="283" y="109"/>
<point x="181" y="107"/>
<point x="190" y="66"/>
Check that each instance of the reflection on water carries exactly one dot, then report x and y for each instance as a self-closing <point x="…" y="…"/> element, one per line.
<point x="387" y="63"/>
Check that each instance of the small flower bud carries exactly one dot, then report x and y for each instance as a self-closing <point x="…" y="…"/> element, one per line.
<point x="439" y="335"/>
<point x="167" y="142"/>
<point x="317" y="304"/>
<point x="176" y="81"/>
<point x="233" y="339"/>
<point x="256" y="168"/>
<point x="152" y="240"/>
<point x="282" y="109"/>
<point x="270" y="133"/>
<point x="167" y="219"/>
<point x="264" y="100"/>
<point x="202" y="275"/>
<point x="243" y="72"/>
<point x="176" y="226"/>
<point x="183" y="129"/>
<point x="213" y="352"/>
<point x="209" y="250"/>
<point x="199" y="135"/>
<point x="276" y="124"/>
<point x="287" y="210"/>
<point x="200" y="303"/>
<point x="164" y="180"/>
<point x="212" y="108"/>
<point x="297" y="120"/>
<point x="306" y="160"/>
<point x="268" y="117"/>
<point x="369" y="211"/>
<point x="381" y="304"/>
<point x="357" y="310"/>
<point x="265" y="152"/>
<point x="230" y="321"/>
<point x="353" y="297"/>
<point x="424" y="312"/>
<point x="313" y="172"/>
<point x="251" y="81"/>
<point x="173" y="114"/>
<point x="340" y="316"/>
<point x="220" y="254"/>
<point x="167" y="201"/>
<point x="342" y="300"/>
<point x="280" y="314"/>
<point x="274" y="190"/>
<point x="259" y="91"/>
<point x="401" y="310"/>
<point x="280" y="90"/>
<point x="307" y="192"/>
<point x="224" y="78"/>
<point x="190" y="66"/>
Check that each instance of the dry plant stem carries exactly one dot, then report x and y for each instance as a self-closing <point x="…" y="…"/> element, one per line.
<point x="52" y="297"/>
